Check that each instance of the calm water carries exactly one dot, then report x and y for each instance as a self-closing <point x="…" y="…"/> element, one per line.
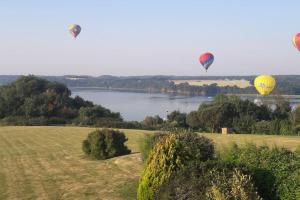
<point x="135" y="106"/>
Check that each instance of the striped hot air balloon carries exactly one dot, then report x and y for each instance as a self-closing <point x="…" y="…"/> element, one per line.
<point x="206" y="59"/>
<point x="74" y="29"/>
<point x="296" y="41"/>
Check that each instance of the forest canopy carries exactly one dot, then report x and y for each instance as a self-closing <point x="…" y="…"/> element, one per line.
<point x="33" y="100"/>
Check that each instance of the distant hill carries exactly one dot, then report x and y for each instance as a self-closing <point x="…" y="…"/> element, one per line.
<point x="185" y="85"/>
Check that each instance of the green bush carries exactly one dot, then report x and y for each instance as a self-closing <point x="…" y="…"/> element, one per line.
<point x="208" y="180"/>
<point x="235" y="186"/>
<point x="262" y="127"/>
<point x="91" y="115"/>
<point x="243" y="124"/>
<point x="153" y="121"/>
<point x="31" y="121"/>
<point x="297" y="151"/>
<point x="275" y="171"/>
<point x="170" y="153"/>
<point x="286" y="128"/>
<point x="148" y="143"/>
<point x="104" y="144"/>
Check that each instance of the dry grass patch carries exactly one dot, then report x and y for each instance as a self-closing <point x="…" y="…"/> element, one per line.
<point x="48" y="163"/>
<point x="222" y="83"/>
<point x="289" y="142"/>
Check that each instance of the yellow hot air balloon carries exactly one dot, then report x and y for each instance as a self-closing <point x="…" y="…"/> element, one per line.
<point x="264" y="84"/>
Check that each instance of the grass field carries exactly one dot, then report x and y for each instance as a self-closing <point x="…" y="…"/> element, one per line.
<point x="221" y="83"/>
<point x="47" y="163"/>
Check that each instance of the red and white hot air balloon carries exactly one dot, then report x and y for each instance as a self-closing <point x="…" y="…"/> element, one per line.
<point x="206" y="59"/>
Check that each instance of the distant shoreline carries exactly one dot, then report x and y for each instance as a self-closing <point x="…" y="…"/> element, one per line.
<point x="183" y="94"/>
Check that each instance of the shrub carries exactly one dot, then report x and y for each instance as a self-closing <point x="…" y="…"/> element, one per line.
<point x="235" y="186"/>
<point x="190" y="182"/>
<point x="106" y="143"/>
<point x="192" y="119"/>
<point x="243" y="124"/>
<point x="90" y="115"/>
<point x="177" y="119"/>
<point x="153" y="121"/>
<point x="286" y="128"/>
<point x="171" y="153"/>
<point x="31" y="121"/>
<point x="297" y="151"/>
<point x="274" y="170"/>
<point x="148" y="143"/>
<point x="208" y="180"/>
<point x="262" y="127"/>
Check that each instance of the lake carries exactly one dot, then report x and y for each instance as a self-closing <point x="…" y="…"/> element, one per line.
<point x="135" y="106"/>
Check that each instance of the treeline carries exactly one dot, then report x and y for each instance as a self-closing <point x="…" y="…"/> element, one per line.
<point x="286" y="84"/>
<point x="239" y="116"/>
<point x="34" y="101"/>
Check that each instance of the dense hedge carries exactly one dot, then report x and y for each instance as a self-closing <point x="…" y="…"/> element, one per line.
<point x="275" y="171"/>
<point x="210" y="180"/>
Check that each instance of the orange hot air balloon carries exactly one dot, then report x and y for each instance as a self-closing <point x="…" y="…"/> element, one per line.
<point x="296" y="41"/>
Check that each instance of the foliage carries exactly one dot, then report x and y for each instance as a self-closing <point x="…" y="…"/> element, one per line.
<point x="243" y="124"/>
<point x="32" y="121"/>
<point x="148" y="143"/>
<point x="153" y="121"/>
<point x="228" y="112"/>
<point x="171" y="153"/>
<point x="104" y="144"/>
<point x="193" y="121"/>
<point x="35" y="101"/>
<point x="262" y="127"/>
<point x="275" y="171"/>
<point x="244" y="116"/>
<point x="236" y="186"/>
<point x="91" y="115"/>
<point x="177" y="119"/>
<point x="207" y="180"/>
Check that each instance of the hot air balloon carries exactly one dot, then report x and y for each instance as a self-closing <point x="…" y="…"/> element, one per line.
<point x="206" y="59"/>
<point x="296" y="41"/>
<point x="264" y="84"/>
<point x="74" y="30"/>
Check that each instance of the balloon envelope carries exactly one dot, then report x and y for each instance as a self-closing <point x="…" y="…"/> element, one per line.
<point x="206" y="59"/>
<point x="264" y="84"/>
<point x="74" y="30"/>
<point x="296" y="41"/>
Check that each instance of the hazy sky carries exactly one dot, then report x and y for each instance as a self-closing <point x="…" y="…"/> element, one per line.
<point x="139" y="37"/>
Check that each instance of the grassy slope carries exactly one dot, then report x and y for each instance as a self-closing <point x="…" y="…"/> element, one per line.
<point x="47" y="163"/>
